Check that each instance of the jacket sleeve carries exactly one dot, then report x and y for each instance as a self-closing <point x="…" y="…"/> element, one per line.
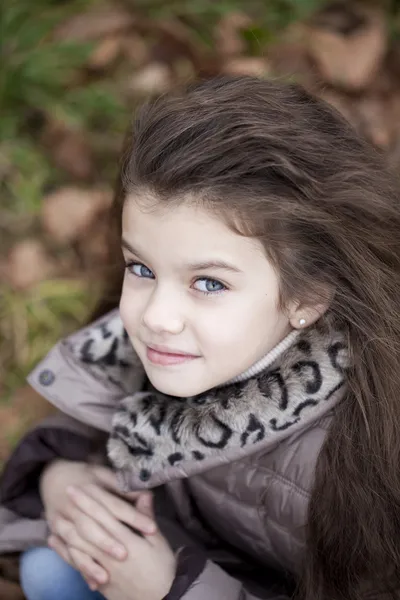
<point x="56" y="437"/>
<point x="198" y="578"/>
<point x="84" y="376"/>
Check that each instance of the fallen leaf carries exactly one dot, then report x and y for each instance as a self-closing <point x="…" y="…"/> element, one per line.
<point x="289" y="58"/>
<point x="135" y="49"/>
<point x="32" y="405"/>
<point x="342" y="103"/>
<point x="69" y="149"/>
<point x="228" y="39"/>
<point x="105" y="53"/>
<point x="25" y="409"/>
<point x="95" y="23"/>
<point x="375" y="121"/>
<point x="183" y="70"/>
<point x="28" y="264"/>
<point x="155" y="78"/>
<point x="94" y="247"/>
<point x="9" y="589"/>
<point x="68" y="212"/>
<point x="393" y="62"/>
<point x="173" y="40"/>
<point x="247" y="65"/>
<point x="350" y="57"/>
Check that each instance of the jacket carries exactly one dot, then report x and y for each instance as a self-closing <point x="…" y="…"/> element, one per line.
<point x="234" y="466"/>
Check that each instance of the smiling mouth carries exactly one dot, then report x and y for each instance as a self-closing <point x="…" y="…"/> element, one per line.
<point x="159" y="356"/>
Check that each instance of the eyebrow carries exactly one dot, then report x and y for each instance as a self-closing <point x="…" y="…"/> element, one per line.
<point x="198" y="266"/>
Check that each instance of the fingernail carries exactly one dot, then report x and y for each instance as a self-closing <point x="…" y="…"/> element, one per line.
<point x="71" y="490"/>
<point x="99" y="576"/>
<point x="151" y="528"/>
<point x="119" y="552"/>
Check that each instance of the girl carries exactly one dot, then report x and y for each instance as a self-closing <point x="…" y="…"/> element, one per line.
<point x="251" y="375"/>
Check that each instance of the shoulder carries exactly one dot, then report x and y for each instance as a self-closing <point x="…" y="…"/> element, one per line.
<point x="87" y="374"/>
<point x="286" y="478"/>
<point x="291" y="464"/>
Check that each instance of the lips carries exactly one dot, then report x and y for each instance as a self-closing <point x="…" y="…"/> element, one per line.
<point x="161" y="355"/>
<point x="166" y="350"/>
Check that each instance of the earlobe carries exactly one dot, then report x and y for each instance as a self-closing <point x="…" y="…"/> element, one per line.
<point x="304" y="316"/>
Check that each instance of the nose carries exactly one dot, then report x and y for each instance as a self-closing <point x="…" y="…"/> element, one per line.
<point x="163" y="312"/>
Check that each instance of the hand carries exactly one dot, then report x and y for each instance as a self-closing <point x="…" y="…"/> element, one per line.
<point x="102" y="484"/>
<point x="148" y="570"/>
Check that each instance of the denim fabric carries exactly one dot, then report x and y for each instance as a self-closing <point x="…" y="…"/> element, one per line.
<point x="45" y="576"/>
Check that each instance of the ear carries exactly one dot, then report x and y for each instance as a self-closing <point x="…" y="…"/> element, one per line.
<point x="302" y="315"/>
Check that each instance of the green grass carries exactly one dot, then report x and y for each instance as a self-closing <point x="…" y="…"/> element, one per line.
<point x="32" y="321"/>
<point x="37" y="81"/>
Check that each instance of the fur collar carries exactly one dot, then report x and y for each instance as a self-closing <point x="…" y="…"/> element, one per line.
<point x="156" y="438"/>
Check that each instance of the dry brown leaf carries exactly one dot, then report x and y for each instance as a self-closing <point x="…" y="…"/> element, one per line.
<point x="155" y="78"/>
<point x="350" y="59"/>
<point x="228" y="39"/>
<point x="26" y="401"/>
<point x="393" y="62"/>
<point x="68" y="213"/>
<point x="247" y="65"/>
<point x="375" y="120"/>
<point x="96" y="23"/>
<point x="69" y="149"/>
<point x="175" y="40"/>
<point x="94" y="247"/>
<point x="342" y="103"/>
<point x="25" y="409"/>
<point x="28" y="264"/>
<point x="289" y="57"/>
<point x="105" y="53"/>
<point x="9" y="590"/>
<point x="135" y="49"/>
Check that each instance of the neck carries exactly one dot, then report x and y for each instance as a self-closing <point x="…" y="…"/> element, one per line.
<point x="267" y="360"/>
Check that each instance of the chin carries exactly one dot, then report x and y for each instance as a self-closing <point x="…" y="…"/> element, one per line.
<point x="179" y="390"/>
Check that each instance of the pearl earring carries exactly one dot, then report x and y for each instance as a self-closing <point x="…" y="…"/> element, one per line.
<point x="302" y="322"/>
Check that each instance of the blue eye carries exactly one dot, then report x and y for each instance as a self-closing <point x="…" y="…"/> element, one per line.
<point x="210" y="286"/>
<point x="139" y="270"/>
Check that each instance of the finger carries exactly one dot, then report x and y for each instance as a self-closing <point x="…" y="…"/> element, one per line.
<point x="98" y="538"/>
<point x="145" y="505"/>
<point x="92" y="584"/>
<point x="89" y="569"/>
<point x="86" y="535"/>
<point x="64" y="530"/>
<point x="108" y="479"/>
<point x="110" y="510"/>
<point x="56" y="544"/>
<point x="125" y="511"/>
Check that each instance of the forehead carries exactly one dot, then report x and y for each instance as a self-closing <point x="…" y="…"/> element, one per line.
<point x="187" y="229"/>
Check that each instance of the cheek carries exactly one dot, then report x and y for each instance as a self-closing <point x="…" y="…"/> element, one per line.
<point x="129" y="308"/>
<point x="249" y="318"/>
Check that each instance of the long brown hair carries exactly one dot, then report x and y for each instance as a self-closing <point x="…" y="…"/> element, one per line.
<point x="285" y="167"/>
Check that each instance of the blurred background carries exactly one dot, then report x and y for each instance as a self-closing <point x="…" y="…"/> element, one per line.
<point x="72" y="73"/>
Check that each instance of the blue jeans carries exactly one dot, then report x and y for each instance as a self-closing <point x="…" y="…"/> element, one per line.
<point x="45" y="576"/>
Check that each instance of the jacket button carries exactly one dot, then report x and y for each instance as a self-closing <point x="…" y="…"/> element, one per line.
<point x="144" y="475"/>
<point x="46" y="377"/>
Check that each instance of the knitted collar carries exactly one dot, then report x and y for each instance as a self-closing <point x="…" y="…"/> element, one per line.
<point x="156" y="438"/>
<point x="267" y="360"/>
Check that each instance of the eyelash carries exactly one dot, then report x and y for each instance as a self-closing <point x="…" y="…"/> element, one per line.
<point x="130" y="264"/>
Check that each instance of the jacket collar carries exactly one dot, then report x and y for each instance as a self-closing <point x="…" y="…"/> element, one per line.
<point x="156" y="438"/>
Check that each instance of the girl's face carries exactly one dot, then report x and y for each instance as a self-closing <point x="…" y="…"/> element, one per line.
<point x="199" y="302"/>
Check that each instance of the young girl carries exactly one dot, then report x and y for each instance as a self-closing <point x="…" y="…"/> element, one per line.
<point x="251" y="376"/>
